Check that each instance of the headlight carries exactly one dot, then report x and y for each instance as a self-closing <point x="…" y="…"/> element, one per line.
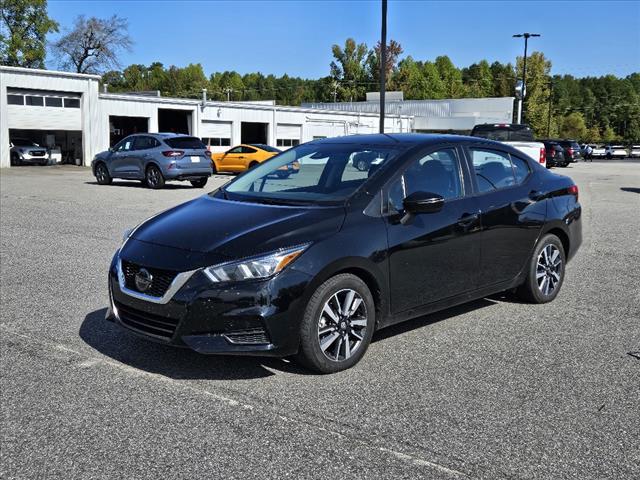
<point x="257" y="267"/>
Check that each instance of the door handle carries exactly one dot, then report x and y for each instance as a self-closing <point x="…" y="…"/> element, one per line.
<point x="468" y="220"/>
<point x="241" y="156"/>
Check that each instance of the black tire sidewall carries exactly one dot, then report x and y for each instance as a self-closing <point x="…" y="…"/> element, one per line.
<point x="532" y="284"/>
<point x="160" y="183"/>
<point x="200" y="183"/>
<point x="107" y="176"/>
<point x="310" y="353"/>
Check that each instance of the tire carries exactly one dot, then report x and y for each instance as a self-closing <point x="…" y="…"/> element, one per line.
<point x="15" y="160"/>
<point x="322" y="339"/>
<point x="545" y="272"/>
<point x="102" y="174"/>
<point x="200" y="183"/>
<point x="154" y="178"/>
<point x="44" y="163"/>
<point x="214" y="169"/>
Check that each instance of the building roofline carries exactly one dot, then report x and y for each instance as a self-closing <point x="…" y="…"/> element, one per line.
<point x="55" y="73"/>
<point x="239" y="105"/>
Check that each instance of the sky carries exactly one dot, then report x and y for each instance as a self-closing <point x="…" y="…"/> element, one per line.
<point x="582" y="38"/>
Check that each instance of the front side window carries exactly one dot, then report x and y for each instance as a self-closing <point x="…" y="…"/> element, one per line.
<point x="235" y="150"/>
<point x="124" y="145"/>
<point x="437" y="172"/>
<point x="325" y="174"/>
<point x="493" y="170"/>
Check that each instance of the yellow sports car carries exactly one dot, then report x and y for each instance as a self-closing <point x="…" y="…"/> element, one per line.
<point x="242" y="157"/>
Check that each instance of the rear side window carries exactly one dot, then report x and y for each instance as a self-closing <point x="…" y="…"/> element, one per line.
<point x="185" y="143"/>
<point x="248" y="150"/>
<point x="520" y="168"/>
<point x="493" y="170"/>
<point x="145" y="143"/>
<point x="503" y="133"/>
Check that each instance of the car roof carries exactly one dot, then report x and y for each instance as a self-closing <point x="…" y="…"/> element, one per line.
<point x="389" y="139"/>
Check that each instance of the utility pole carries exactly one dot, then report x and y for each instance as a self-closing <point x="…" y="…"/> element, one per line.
<point x="228" y="92"/>
<point x="526" y="37"/>
<point x="383" y="63"/>
<point x="550" y="102"/>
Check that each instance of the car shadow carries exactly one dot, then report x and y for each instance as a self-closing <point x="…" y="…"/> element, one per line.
<point x="630" y="189"/>
<point x="125" y="347"/>
<point x="139" y="184"/>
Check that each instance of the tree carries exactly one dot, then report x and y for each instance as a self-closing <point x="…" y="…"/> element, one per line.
<point x="450" y="76"/>
<point x="573" y="126"/>
<point x="536" y="104"/>
<point x="394" y="50"/>
<point x="348" y="69"/>
<point x="25" y="25"/>
<point x="479" y="79"/>
<point x="93" y="45"/>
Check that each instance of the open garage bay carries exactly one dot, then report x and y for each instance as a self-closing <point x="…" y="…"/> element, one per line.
<point x="492" y="389"/>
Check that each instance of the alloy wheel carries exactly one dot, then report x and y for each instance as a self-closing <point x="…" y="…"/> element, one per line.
<point x="101" y="174"/>
<point x="549" y="269"/>
<point x="342" y="325"/>
<point x="153" y="177"/>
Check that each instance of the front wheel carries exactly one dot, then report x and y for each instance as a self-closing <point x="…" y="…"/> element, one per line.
<point x="200" y="183"/>
<point x="102" y="174"/>
<point x="337" y="325"/>
<point x="546" y="271"/>
<point x="154" y="177"/>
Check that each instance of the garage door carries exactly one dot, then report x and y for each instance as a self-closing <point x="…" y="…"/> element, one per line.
<point x="288" y="135"/>
<point x="212" y="129"/>
<point x="39" y="110"/>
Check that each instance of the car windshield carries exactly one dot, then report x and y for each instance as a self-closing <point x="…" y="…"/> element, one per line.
<point x="322" y="173"/>
<point x="24" y="143"/>
<point x="187" y="143"/>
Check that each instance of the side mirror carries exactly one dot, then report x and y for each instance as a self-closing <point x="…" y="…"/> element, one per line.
<point x="423" y="202"/>
<point x="111" y="150"/>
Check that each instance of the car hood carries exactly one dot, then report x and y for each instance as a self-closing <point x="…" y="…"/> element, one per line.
<point x="238" y="229"/>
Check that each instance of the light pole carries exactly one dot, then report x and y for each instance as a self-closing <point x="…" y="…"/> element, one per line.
<point x="383" y="63"/>
<point x="526" y="37"/>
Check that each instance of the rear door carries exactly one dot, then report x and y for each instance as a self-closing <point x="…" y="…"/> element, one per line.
<point x="143" y="147"/>
<point x="432" y="256"/>
<point x="507" y="193"/>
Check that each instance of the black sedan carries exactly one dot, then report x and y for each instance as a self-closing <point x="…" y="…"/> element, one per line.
<point x="313" y="264"/>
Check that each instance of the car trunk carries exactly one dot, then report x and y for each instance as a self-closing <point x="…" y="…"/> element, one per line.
<point x="189" y="152"/>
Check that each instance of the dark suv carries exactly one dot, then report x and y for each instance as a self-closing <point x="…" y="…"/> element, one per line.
<point x="571" y="150"/>
<point x="555" y="154"/>
<point x="154" y="158"/>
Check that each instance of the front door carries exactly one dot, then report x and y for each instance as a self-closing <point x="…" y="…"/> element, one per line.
<point x="432" y="256"/>
<point x="512" y="214"/>
<point x="120" y="159"/>
<point x="232" y="161"/>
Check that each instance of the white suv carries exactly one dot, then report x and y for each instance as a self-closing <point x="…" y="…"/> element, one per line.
<point x="616" y="151"/>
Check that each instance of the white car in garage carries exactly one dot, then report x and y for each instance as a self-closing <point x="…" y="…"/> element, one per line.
<point x="635" y="151"/>
<point x="25" y="151"/>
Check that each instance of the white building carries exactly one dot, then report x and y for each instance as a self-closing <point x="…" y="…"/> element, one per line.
<point x="67" y="111"/>
<point x="447" y="116"/>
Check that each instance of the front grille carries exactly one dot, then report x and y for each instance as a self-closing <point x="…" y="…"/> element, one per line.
<point x="161" y="279"/>
<point x="147" y="323"/>
<point x="255" y="336"/>
<point x="38" y="153"/>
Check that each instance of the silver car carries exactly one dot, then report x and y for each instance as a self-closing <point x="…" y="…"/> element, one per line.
<point x="25" y="151"/>
<point x="154" y="158"/>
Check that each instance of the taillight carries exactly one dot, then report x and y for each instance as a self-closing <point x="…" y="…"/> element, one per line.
<point x="173" y="153"/>
<point x="542" y="155"/>
<point x="570" y="151"/>
<point x="573" y="190"/>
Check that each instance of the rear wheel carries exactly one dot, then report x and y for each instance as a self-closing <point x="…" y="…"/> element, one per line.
<point x="201" y="182"/>
<point x="102" y="174"/>
<point x="154" y="177"/>
<point x="546" y="271"/>
<point x="337" y="325"/>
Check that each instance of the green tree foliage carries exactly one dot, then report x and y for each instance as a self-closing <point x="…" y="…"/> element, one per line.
<point x="349" y="70"/>
<point x="608" y="106"/>
<point x="573" y="127"/>
<point x="24" y="28"/>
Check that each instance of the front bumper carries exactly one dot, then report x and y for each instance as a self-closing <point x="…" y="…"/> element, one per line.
<point x="247" y="318"/>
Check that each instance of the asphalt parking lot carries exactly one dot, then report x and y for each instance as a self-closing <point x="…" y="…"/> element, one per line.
<point x="492" y="389"/>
